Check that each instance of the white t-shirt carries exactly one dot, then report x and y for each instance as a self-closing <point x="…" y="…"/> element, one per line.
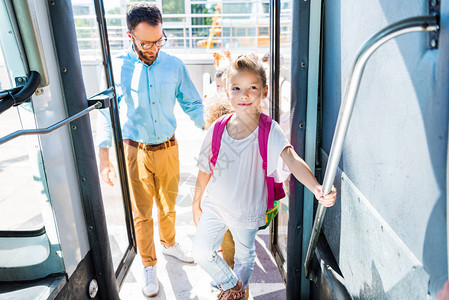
<point x="237" y="191"/>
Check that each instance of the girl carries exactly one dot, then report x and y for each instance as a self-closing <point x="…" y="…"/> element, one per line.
<point x="236" y="194"/>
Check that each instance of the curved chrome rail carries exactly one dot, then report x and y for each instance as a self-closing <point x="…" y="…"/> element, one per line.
<point x="50" y="128"/>
<point x="416" y="24"/>
<point x="17" y="96"/>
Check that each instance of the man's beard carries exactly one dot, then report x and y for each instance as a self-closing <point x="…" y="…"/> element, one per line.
<point x="143" y="56"/>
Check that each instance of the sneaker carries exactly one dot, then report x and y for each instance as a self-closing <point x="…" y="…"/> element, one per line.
<point x="177" y="251"/>
<point x="237" y="292"/>
<point x="151" y="287"/>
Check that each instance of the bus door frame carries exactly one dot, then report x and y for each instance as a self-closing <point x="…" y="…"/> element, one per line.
<point x="65" y="42"/>
<point x="131" y="251"/>
<point x="305" y="82"/>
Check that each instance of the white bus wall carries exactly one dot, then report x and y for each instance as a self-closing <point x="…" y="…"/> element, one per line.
<point x="388" y="228"/>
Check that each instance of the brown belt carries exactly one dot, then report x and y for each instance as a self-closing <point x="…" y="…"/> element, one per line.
<point x="148" y="147"/>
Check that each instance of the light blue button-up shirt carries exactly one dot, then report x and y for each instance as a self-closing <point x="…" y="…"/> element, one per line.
<point x="147" y="96"/>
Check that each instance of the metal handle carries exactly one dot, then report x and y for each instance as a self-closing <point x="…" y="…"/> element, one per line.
<point x="50" y="128"/>
<point x="416" y="24"/>
<point x="6" y="93"/>
<point x="16" y="96"/>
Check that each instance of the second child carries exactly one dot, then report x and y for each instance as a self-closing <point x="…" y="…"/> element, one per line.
<point x="233" y="194"/>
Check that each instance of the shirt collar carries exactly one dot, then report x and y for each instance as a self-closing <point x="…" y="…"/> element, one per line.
<point x="136" y="58"/>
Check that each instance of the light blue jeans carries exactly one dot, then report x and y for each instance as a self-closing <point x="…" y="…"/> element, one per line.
<point x="208" y="238"/>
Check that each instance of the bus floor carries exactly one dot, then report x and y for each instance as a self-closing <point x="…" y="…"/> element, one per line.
<point x="188" y="281"/>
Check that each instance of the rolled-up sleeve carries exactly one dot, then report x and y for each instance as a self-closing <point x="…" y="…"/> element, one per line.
<point x="189" y="98"/>
<point x="104" y="134"/>
<point x="104" y="129"/>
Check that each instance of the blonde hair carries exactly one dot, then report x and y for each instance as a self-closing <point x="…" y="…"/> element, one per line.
<point x="248" y="63"/>
<point x="215" y="107"/>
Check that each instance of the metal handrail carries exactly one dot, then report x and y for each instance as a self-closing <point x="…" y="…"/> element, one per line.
<point x="50" y="128"/>
<point x="416" y="24"/>
<point x="15" y="97"/>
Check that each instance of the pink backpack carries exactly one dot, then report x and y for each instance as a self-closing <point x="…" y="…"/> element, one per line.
<point x="275" y="189"/>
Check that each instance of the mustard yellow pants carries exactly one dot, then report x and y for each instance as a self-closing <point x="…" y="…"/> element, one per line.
<point x="153" y="176"/>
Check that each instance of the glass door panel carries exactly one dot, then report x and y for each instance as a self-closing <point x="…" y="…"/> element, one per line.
<point x="284" y="89"/>
<point x="29" y="243"/>
<point x="94" y="76"/>
<point x="22" y="190"/>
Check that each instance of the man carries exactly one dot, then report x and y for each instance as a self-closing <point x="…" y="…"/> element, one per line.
<point x="148" y="82"/>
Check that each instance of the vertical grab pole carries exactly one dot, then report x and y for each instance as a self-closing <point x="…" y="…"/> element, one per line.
<point x="416" y="24"/>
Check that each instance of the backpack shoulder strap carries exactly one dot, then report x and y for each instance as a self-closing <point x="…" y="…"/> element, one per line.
<point x="216" y="138"/>
<point x="264" y="131"/>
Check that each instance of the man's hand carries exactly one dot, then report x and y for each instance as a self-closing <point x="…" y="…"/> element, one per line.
<point x="106" y="167"/>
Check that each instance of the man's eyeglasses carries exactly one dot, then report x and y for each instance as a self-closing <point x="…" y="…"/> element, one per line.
<point x="148" y="45"/>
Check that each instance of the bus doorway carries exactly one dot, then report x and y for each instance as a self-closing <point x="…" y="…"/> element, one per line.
<point x="84" y="228"/>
